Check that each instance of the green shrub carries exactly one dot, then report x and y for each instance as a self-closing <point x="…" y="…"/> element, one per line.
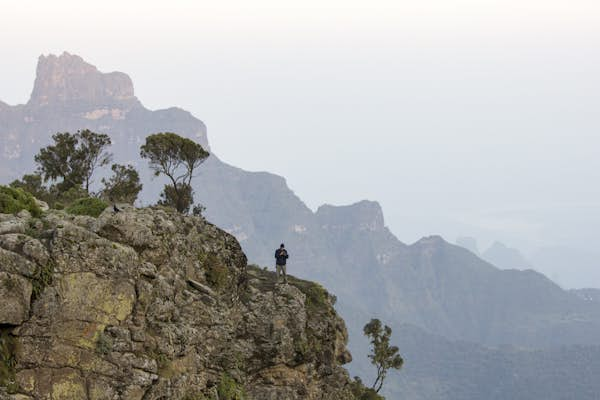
<point x="316" y="297"/>
<point x="229" y="389"/>
<point x="361" y="392"/>
<point x="87" y="206"/>
<point x="42" y="278"/>
<point x="69" y="196"/>
<point x="13" y="200"/>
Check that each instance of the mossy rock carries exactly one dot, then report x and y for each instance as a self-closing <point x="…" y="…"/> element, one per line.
<point x="87" y="206"/>
<point x="13" y="200"/>
<point x="104" y="344"/>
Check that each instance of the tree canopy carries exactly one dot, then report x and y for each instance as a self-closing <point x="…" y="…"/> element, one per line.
<point x="123" y="186"/>
<point x="73" y="158"/>
<point x="93" y="154"/>
<point x="177" y="158"/>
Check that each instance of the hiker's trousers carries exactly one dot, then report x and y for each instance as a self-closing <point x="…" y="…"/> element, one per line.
<point x="281" y="269"/>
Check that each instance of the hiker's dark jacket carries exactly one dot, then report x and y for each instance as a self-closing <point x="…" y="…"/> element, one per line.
<point x="281" y="255"/>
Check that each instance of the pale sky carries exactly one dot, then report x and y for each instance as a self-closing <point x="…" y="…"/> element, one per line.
<point x="466" y="117"/>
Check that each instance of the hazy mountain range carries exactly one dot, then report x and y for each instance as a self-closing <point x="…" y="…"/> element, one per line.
<point x="564" y="265"/>
<point x="468" y="329"/>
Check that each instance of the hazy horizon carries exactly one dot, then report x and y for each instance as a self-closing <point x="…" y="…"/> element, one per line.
<point x="461" y="118"/>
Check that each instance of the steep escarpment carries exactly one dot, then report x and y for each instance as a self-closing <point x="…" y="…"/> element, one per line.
<point x="149" y="304"/>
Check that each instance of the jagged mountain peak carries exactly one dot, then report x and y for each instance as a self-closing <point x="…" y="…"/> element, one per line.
<point x="69" y="78"/>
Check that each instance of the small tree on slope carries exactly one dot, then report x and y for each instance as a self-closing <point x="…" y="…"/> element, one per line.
<point x="383" y="356"/>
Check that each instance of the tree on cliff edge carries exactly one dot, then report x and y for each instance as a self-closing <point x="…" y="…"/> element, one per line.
<point x="383" y="356"/>
<point x="73" y="158"/>
<point x="123" y="186"/>
<point x="175" y="157"/>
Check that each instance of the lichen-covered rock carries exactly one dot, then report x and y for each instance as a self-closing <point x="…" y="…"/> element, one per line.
<point x="149" y="304"/>
<point x="15" y="295"/>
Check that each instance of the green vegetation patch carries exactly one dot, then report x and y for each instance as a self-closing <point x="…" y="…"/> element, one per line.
<point x="361" y="392"/>
<point x="13" y="200"/>
<point x="43" y="277"/>
<point x="229" y="389"/>
<point x="87" y="206"/>
<point x="317" y="298"/>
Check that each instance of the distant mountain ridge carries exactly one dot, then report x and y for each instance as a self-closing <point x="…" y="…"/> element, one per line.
<point x="437" y="287"/>
<point x="505" y="257"/>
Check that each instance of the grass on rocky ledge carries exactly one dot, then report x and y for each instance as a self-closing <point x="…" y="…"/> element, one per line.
<point x="43" y="277"/>
<point x="317" y="297"/>
<point x="87" y="206"/>
<point x="226" y="389"/>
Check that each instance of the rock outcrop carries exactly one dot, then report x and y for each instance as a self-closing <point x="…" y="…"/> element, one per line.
<point x="149" y="304"/>
<point x="68" y="78"/>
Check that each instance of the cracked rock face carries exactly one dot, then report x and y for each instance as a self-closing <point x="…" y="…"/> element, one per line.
<point x="148" y="304"/>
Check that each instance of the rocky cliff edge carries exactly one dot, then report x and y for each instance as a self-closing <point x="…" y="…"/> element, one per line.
<point x="149" y="304"/>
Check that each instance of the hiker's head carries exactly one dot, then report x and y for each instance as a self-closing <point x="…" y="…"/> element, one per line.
<point x="281" y="246"/>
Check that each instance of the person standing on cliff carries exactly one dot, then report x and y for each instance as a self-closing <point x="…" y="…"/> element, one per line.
<point x="281" y="256"/>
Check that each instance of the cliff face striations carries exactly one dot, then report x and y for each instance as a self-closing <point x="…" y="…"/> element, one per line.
<point x="149" y="304"/>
